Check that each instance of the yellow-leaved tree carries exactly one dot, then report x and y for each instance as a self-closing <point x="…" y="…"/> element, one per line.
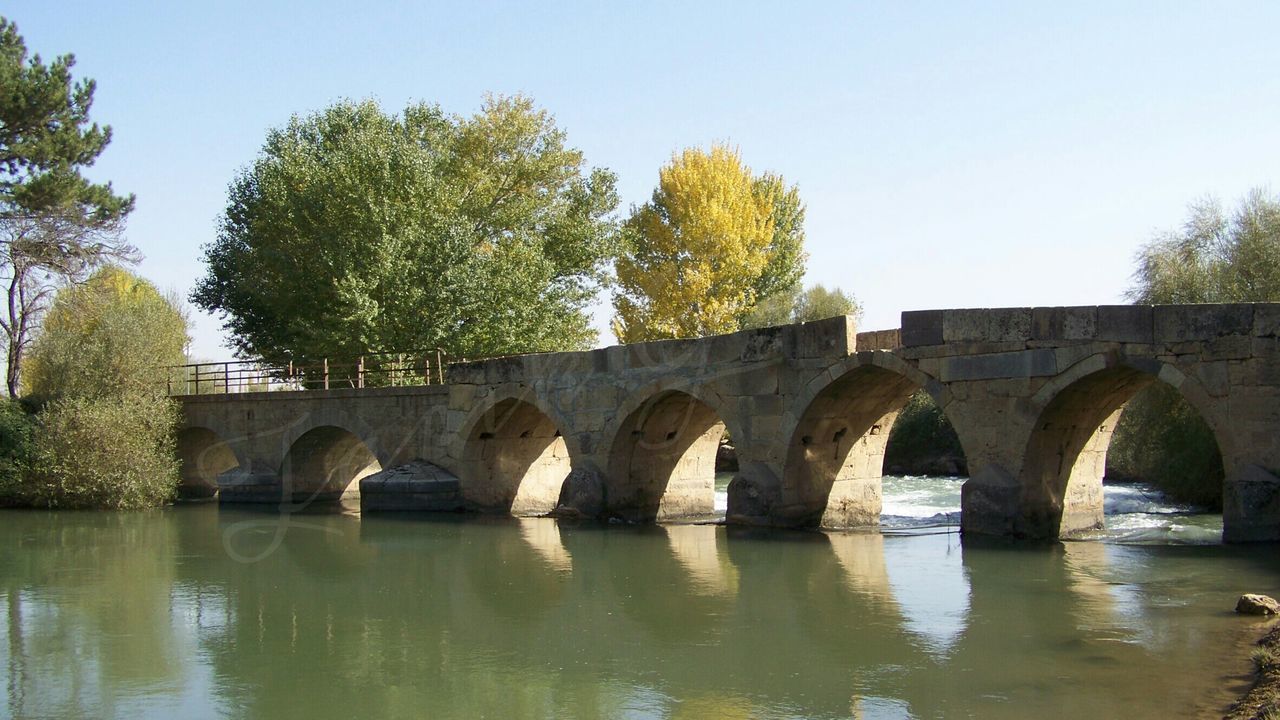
<point x="712" y="241"/>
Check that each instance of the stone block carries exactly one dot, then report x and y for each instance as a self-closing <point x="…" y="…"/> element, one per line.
<point x="1125" y="323"/>
<point x="763" y="344"/>
<point x="766" y="405"/>
<point x="921" y="328"/>
<point x="1215" y="377"/>
<point x="1256" y="372"/>
<point x="1229" y="347"/>
<point x="951" y="349"/>
<point x="600" y="361"/>
<point x="598" y="396"/>
<point x="1179" y="323"/>
<point x="620" y="358"/>
<point x="830" y="338"/>
<point x="1064" y="323"/>
<point x="1028" y="363"/>
<point x="760" y="379"/>
<point x="563" y="369"/>
<point x="461" y="397"/>
<point x="1067" y="356"/>
<point x="1266" y="320"/>
<point x="466" y="373"/>
<point x="987" y="325"/>
<point x="504" y="370"/>
<point x="878" y="340"/>
<point x="721" y="349"/>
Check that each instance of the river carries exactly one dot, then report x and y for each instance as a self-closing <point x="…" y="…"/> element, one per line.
<point x="200" y="611"/>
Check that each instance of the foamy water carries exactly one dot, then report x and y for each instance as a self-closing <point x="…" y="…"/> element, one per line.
<point x="1135" y="513"/>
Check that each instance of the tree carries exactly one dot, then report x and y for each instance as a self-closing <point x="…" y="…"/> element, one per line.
<point x="814" y="303"/>
<point x="785" y="266"/>
<point x="356" y="231"/>
<point x="55" y="224"/>
<point x="105" y="431"/>
<point x="712" y="243"/>
<point x="106" y="338"/>
<point x="1212" y="258"/>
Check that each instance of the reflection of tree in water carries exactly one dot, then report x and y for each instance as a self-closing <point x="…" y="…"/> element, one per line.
<point x="404" y="623"/>
<point x="385" y="616"/>
<point x="88" y="608"/>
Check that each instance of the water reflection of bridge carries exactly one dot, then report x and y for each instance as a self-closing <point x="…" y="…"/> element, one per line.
<point x="511" y="618"/>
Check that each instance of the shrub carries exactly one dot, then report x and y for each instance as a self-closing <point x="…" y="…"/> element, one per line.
<point x="17" y="430"/>
<point x="115" y="453"/>
<point x="105" y="433"/>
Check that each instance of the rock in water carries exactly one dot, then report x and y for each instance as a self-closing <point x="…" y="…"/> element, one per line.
<point x="1250" y="604"/>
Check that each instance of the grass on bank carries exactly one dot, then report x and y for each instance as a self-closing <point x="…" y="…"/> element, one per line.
<point x="1263" y="700"/>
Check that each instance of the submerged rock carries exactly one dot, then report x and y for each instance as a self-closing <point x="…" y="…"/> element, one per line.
<point x="1250" y="604"/>
<point x="726" y="458"/>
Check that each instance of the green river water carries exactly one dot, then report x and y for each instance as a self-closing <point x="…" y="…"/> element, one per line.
<point x="202" y="611"/>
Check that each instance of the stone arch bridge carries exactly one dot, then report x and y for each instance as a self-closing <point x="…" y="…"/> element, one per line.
<point x="631" y="432"/>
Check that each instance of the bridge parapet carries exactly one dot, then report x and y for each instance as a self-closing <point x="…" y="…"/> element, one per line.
<point x="813" y="343"/>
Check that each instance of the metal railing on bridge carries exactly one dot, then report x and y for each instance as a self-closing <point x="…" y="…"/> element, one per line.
<point x="387" y="369"/>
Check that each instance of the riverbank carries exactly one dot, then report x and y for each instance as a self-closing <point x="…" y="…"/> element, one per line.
<point x="1262" y="702"/>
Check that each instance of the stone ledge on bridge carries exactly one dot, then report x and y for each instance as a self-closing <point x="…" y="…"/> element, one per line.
<point x="414" y="486"/>
<point x="994" y="343"/>
<point x="1143" y="324"/>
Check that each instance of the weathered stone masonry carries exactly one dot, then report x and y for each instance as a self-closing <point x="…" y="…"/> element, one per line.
<point x="631" y="431"/>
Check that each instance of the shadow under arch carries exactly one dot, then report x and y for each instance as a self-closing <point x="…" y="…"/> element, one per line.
<point x="203" y="456"/>
<point x="514" y="460"/>
<point x="662" y="462"/>
<point x="835" y="455"/>
<point x="1060" y="483"/>
<point x="326" y="463"/>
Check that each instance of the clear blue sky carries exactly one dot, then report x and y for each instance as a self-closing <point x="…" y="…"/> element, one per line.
<point x="951" y="154"/>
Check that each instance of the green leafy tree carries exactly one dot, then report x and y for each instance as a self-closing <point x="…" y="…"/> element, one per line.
<point x="105" y="431"/>
<point x="785" y="266"/>
<point x="357" y="231"/>
<point x="1213" y="257"/>
<point x="712" y="243"/>
<point x="814" y="303"/>
<point x="55" y="225"/>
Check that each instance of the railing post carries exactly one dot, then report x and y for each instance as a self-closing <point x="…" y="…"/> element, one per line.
<point x="360" y="373"/>
<point x="226" y="376"/>
<point x="326" y="373"/>
<point x="440" y="365"/>
<point x="197" y="378"/>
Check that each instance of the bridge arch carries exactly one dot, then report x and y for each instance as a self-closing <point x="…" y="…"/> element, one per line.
<point x="326" y="462"/>
<point x="203" y="455"/>
<point x="837" y="438"/>
<point x="515" y="457"/>
<point x="1065" y="458"/>
<point x="662" y="454"/>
